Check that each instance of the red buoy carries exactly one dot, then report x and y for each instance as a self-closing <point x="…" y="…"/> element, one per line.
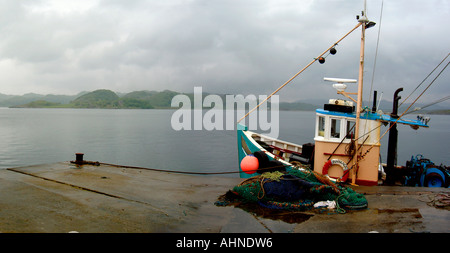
<point x="250" y="164"/>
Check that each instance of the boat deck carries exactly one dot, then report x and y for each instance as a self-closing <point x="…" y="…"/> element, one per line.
<point x="64" y="197"/>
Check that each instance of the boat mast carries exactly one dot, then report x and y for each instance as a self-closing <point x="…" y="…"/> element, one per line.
<point x="363" y="20"/>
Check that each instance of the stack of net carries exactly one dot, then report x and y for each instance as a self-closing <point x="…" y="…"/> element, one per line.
<point x="297" y="190"/>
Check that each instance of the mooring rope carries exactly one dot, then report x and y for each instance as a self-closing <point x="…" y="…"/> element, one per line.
<point x="171" y="171"/>
<point x="189" y="172"/>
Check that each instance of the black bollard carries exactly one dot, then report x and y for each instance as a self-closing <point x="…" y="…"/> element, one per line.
<point x="79" y="158"/>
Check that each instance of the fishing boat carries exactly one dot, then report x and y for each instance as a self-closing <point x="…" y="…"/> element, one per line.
<point x="346" y="145"/>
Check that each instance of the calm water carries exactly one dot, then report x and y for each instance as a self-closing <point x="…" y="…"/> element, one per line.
<point x="145" y="138"/>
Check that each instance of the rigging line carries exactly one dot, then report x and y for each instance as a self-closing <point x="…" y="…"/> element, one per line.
<point x="376" y="56"/>
<point x="298" y="73"/>
<point x="376" y="53"/>
<point x="345" y="137"/>
<point x="423" y="80"/>
<point x="428" y="105"/>
<point x="409" y="107"/>
<point x="442" y="70"/>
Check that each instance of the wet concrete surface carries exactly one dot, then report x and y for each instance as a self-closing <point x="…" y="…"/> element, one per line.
<point x="63" y="197"/>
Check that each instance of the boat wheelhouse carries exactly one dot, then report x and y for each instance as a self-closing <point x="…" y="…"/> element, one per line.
<point x="334" y="141"/>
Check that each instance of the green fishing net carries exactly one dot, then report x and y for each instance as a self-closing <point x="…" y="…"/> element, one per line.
<point x="297" y="189"/>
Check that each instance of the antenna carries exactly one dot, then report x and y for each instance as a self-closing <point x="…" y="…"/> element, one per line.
<point x="340" y="86"/>
<point x="379" y="101"/>
<point x="339" y="80"/>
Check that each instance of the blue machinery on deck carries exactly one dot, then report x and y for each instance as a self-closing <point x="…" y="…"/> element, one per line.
<point x="423" y="172"/>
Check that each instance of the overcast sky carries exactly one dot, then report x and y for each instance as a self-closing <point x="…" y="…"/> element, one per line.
<point x="225" y="46"/>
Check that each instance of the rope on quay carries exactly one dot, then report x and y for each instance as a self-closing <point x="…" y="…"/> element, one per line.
<point x="79" y="160"/>
<point x="185" y="172"/>
<point x="171" y="171"/>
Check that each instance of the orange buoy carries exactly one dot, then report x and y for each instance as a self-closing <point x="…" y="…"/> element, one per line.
<point x="250" y="164"/>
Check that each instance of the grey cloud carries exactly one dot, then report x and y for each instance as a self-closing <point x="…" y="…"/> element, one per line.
<point x="225" y="46"/>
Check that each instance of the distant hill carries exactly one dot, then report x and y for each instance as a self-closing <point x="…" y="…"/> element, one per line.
<point x="38" y="104"/>
<point x="161" y="99"/>
<point x="297" y="106"/>
<point x="144" y="99"/>
<point x="107" y="99"/>
<point x="441" y="112"/>
<point x="15" y="100"/>
<point x="97" y="99"/>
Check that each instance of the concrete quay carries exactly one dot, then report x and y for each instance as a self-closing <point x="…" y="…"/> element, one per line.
<point x="98" y="198"/>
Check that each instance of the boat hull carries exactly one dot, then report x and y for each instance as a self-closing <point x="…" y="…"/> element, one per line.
<point x="248" y="144"/>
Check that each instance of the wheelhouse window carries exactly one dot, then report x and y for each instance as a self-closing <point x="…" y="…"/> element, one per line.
<point x="321" y="124"/>
<point x="335" y="128"/>
<point x="350" y="129"/>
